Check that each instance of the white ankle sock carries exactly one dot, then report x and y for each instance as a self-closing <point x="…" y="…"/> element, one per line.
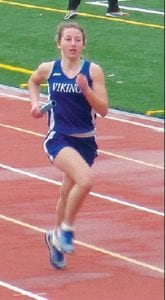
<point x="55" y="240"/>
<point x="66" y="227"/>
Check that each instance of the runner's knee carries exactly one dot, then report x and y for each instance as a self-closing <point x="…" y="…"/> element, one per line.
<point x="86" y="182"/>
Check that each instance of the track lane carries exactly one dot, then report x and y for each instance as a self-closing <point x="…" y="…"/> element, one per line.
<point x="132" y="233"/>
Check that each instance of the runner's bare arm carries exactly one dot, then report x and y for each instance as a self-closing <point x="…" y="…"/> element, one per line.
<point x="97" y="95"/>
<point x="40" y="75"/>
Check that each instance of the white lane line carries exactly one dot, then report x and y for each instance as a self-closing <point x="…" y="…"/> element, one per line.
<point x="44" y="96"/>
<point x="135" y="116"/>
<point x="100" y="151"/>
<point x="131" y="159"/>
<point x="128" y="204"/>
<point x="89" y="246"/>
<point x="97" y="195"/>
<point x="159" y="129"/>
<point x="27" y="99"/>
<point x="109" y="116"/>
<point x="22" y="130"/>
<point x="21" y="291"/>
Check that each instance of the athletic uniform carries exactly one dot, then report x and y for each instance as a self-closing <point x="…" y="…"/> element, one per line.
<point x="72" y="120"/>
<point x="73" y="4"/>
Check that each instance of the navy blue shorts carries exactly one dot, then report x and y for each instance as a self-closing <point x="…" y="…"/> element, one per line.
<point x="85" y="146"/>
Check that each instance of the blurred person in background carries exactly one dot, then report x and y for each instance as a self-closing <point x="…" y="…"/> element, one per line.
<point x="113" y="9"/>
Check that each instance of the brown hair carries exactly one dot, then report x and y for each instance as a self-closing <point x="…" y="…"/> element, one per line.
<point x="63" y="26"/>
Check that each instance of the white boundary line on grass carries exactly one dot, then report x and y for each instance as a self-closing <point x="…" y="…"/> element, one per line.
<point x="148" y="11"/>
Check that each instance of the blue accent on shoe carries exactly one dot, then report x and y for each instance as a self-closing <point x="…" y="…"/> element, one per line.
<point x="66" y="240"/>
<point x="56" y="256"/>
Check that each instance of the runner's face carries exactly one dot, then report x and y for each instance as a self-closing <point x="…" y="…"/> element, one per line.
<point x="71" y="43"/>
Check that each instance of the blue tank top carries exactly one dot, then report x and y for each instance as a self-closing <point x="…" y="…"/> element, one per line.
<point x="72" y="112"/>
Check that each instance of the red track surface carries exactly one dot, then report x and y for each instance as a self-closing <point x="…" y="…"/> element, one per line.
<point x="119" y="230"/>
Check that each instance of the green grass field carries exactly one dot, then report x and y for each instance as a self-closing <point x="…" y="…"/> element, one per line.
<point x="130" y="50"/>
